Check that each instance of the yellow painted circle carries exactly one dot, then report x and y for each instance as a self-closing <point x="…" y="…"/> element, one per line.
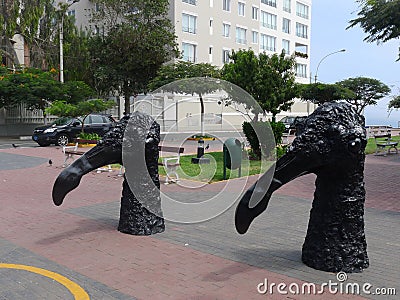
<point x="78" y="292"/>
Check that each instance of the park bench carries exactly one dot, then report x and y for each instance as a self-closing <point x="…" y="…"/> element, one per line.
<point x="384" y="143"/>
<point x="171" y="163"/>
<point x="71" y="151"/>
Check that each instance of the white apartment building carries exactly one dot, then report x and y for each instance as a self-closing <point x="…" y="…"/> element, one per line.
<point x="208" y="30"/>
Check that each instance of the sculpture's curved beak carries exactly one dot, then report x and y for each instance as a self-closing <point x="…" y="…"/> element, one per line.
<point x="69" y="178"/>
<point x="256" y="198"/>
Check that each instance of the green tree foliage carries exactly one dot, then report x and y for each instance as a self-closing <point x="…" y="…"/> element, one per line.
<point x="269" y="79"/>
<point x="394" y="103"/>
<point x="37" y="89"/>
<point x="320" y="93"/>
<point x="201" y="81"/>
<point x="379" y="19"/>
<point x="367" y="91"/>
<point x="76" y="91"/>
<point x="265" y="130"/>
<point x="80" y="109"/>
<point x="38" y="21"/>
<point x="134" y="46"/>
<point x="32" y="87"/>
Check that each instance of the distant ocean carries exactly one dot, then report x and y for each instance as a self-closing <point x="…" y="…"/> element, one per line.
<point x="378" y="115"/>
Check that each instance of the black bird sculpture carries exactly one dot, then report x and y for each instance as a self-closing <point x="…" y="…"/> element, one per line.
<point x="50" y="162"/>
<point x="136" y="218"/>
<point x="331" y="144"/>
<point x="15" y="146"/>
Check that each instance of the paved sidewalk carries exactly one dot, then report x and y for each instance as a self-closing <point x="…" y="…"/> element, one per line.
<point x="207" y="260"/>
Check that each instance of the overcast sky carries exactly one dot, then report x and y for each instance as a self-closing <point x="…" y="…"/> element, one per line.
<point x="328" y="34"/>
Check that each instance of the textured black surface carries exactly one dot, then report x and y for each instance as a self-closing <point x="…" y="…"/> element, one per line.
<point x="135" y="218"/>
<point x="143" y="217"/>
<point x="329" y="143"/>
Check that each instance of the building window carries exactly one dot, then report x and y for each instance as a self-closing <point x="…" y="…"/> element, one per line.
<point x="301" y="70"/>
<point x="287" y="5"/>
<point x="241" y="36"/>
<point x="241" y="8"/>
<point x="268" y="42"/>
<point x="189" y="23"/>
<point x="226" y="5"/>
<point x="71" y="13"/>
<point x="189" y="52"/>
<point x="225" y="56"/>
<point x="286" y="25"/>
<point x="302" y="10"/>
<point x="226" y="28"/>
<point x="254" y="35"/>
<point x="269" y="2"/>
<point x="268" y="20"/>
<point x="254" y="13"/>
<point x="301" y="30"/>
<point x="286" y="46"/>
<point x="193" y="2"/>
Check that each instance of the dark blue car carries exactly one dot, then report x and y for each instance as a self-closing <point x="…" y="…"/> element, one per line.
<point x="63" y="130"/>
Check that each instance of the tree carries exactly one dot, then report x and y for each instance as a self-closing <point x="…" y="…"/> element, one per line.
<point x="379" y="19"/>
<point x="320" y="93"/>
<point x="83" y="108"/>
<point x="8" y="23"/>
<point x="270" y="80"/>
<point x="37" y="89"/>
<point x="242" y="72"/>
<point x="134" y="46"/>
<point x="33" y="87"/>
<point x="38" y="21"/>
<point x="199" y="84"/>
<point x="367" y="91"/>
<point x="394" y="103"/>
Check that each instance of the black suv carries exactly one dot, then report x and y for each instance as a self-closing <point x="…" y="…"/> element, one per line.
<point x="64" y="130"/>
<point x="290" y="122"/>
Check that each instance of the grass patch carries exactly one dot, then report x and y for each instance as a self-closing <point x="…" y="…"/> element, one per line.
<point x="214" y="171"/>
<point x="371" y="146"/>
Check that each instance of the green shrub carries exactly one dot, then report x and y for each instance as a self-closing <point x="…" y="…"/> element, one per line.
<point x="268" y="131"/>
<point x="89" y="136"/>
<point x="278" y="128"/>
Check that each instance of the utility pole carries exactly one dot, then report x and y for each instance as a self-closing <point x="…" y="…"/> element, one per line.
<point x="63" y="10"/>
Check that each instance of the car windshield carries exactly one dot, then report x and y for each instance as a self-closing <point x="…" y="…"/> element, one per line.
<point x="288" y="120"/>
<point x="62" y="121"/>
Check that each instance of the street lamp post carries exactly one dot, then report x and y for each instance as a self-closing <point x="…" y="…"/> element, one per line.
<point x="63" y="9"/>
<point x="316" y="73"/>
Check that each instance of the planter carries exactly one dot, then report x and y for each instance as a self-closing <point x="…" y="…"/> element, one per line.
<point x="82" y="143"/>
<point x="204" y="138"/>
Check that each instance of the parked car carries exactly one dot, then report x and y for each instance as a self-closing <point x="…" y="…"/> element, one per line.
<point x="290" y="122"/>
<point x="63" y="130"/>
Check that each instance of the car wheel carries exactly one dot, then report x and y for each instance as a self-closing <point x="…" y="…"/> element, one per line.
<point x="44" y="144"/>
<point x="62" y="140"/>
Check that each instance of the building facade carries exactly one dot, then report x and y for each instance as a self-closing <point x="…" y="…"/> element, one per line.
<point x="208" y="30"/>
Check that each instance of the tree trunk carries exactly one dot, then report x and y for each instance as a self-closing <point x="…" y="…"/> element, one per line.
<point x="44" y="118"/>
<point x="201" y="115"/>
<point x="127" y="109"/>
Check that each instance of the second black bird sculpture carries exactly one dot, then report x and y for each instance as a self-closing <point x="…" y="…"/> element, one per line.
<point x="50" y="162"/>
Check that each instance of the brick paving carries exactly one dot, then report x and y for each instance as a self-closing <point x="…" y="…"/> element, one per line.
<point x="207" y="260"/>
